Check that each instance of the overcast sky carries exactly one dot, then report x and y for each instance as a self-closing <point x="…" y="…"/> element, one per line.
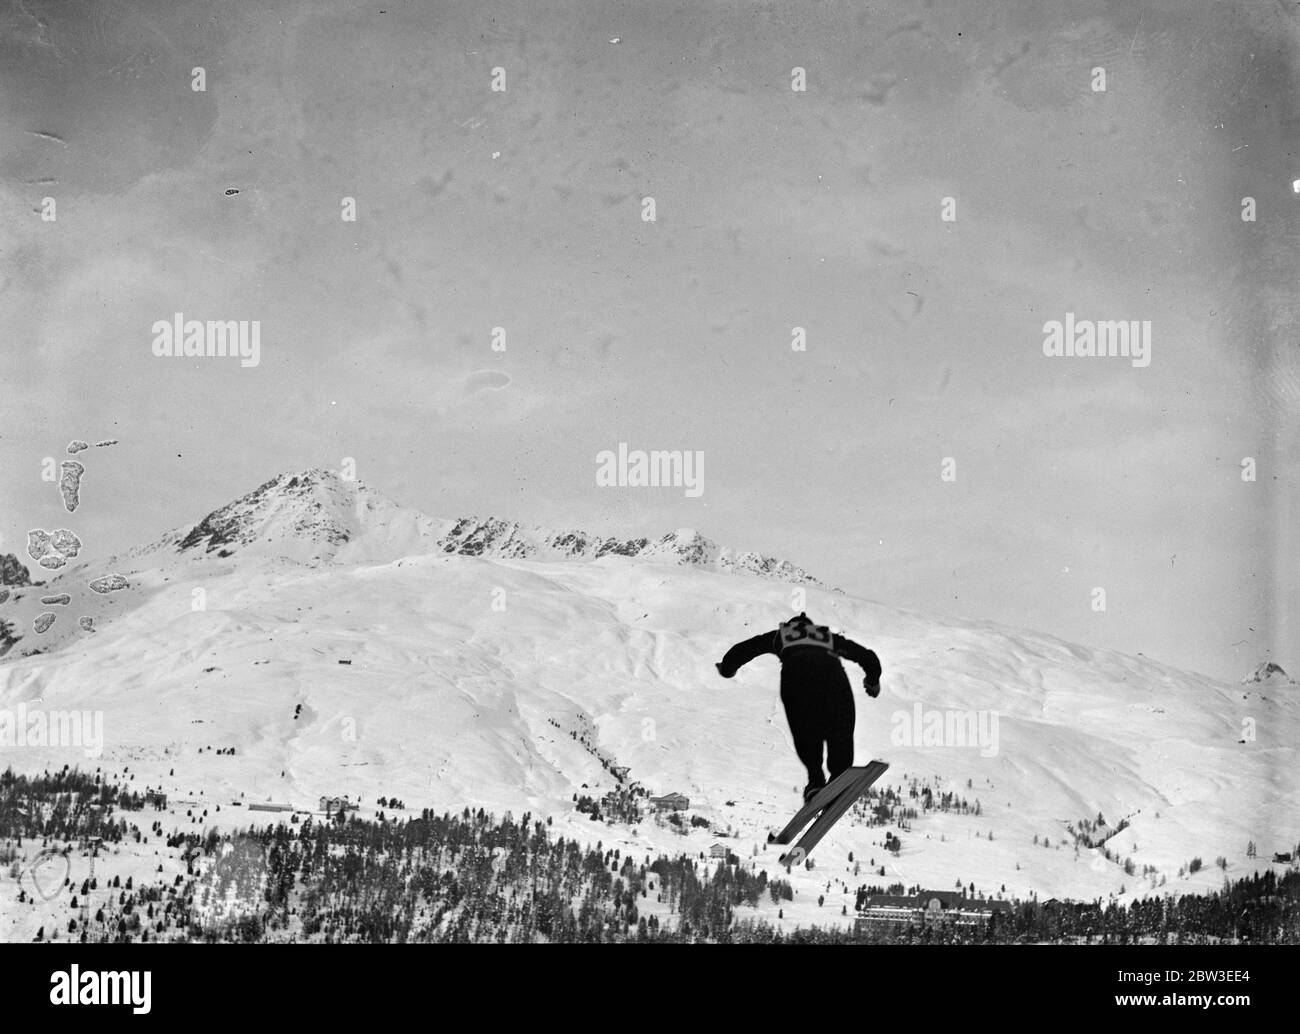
<point x="774" y="208"/>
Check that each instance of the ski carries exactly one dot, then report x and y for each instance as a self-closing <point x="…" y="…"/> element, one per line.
<point x="820" y="799"/>
<point x="831" y="813"/>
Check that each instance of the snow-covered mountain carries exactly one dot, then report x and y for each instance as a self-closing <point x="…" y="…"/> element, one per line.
<point x="507" y="539"/>
<point x="316" y="516"/>
<point x="342" y="644"/>
<point x="311" y="516"/>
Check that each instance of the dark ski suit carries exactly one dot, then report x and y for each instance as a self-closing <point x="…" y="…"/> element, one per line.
<point x="814" y="689"/>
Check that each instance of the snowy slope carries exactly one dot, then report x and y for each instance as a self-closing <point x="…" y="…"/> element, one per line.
<point x="476" y="649"/>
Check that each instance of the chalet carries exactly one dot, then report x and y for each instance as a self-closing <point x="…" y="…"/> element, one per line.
<point x="155" y="799"/>
<point x="332" y="805"/>
<point x="1283" y="857"/>
<point x="671" y="802"/>
<point x="718" y="851"/>
<point x="928" y="907"/>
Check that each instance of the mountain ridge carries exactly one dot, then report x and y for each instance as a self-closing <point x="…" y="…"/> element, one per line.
<point x="335" y="515"/>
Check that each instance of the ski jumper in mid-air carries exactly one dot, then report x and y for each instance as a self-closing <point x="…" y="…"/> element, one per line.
<point x="814" y="689"/>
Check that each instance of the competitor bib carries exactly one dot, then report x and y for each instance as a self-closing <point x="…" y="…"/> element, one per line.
<point x="805" y="633"/>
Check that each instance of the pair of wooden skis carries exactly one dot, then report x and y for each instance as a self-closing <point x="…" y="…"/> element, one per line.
<point x="828" y="804"/>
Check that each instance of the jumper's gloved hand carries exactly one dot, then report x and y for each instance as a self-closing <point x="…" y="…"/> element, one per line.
<point x="872" y="688"/>
<point x="724" y="672"/>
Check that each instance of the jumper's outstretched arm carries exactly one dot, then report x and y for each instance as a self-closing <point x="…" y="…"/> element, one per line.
<point x="744" y="652"/>
<point x="863" y="658"/>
